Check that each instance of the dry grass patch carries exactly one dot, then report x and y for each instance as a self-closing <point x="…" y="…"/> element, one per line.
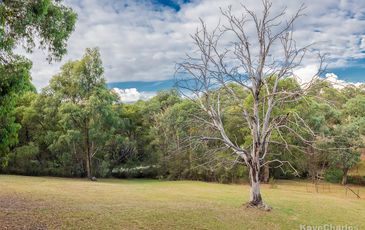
<point x="56" y="203"/>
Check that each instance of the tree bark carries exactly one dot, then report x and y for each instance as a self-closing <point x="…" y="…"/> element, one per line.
<point x="344" y="177"/>
<point x="255" y="193"/>
<point x="88" y="166"/>
<point x="87" y="153"/>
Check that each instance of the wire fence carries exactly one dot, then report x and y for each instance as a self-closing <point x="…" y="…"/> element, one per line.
<point x="320" y="186"/>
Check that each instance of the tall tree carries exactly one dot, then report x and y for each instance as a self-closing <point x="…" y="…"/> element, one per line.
<point x="22" y="22"/>
<point x="346" y="142"/>
<point x="258" y="61"/>
<point x="348" y="135"/>
<point x="85" y="111"/>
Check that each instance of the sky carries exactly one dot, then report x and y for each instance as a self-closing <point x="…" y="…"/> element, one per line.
<point x="142" y="40"/>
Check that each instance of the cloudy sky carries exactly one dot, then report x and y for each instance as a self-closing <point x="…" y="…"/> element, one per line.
<point x="141" y="40"/>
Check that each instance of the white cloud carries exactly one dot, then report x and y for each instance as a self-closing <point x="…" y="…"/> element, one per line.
<point x="138" y="42"/>
<point x="340" y="84"/>
<point x="362" y="43"/>
<point x="132" y="95"/>
<point x="306" y="74"/>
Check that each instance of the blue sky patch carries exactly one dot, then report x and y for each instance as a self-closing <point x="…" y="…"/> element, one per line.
<point x="174" y="4"/>
<point x="351" y="74"/>
<point x="142" y="86"/>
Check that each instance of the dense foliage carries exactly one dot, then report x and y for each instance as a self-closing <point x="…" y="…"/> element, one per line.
<point x="22" y="23"/>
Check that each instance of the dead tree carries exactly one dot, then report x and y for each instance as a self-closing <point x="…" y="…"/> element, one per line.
<point x="256" y="61"/>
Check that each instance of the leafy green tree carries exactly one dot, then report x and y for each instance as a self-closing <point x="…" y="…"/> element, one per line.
<point x="348" y="135"/>
<point x="23" y="22"/>
<point x="339" y="121"/>
<point x="42" y="119"/>
<point x="86" y="113"/>
<point x="346" y="142"/>
<point x="14" y="78"/>
<point x="81" y="105"/>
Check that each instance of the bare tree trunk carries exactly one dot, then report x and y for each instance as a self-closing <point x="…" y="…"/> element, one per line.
<point x="344" y="177"/>
<point x="87" y="153"/>
<point x="255" y="195"/>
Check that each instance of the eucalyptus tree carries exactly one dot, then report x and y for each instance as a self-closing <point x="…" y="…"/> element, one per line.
<point x="22" y="23"/>
<point x="258" y="61"/>
<point x="28" y="23"/>
<point x="85" y="112"/>
<point x="348" y="135"/>
<point x="346" y="142"/>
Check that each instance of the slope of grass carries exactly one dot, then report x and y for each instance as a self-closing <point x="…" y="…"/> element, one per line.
<point x="56" y="203"/>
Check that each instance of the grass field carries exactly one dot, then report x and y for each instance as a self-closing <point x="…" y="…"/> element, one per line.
<point x="56" y="203"/>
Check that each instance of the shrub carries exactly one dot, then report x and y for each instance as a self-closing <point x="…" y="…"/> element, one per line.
<point x="104" y="169"/>
<point x="149" y="171"/>
<point x="333" y="175"/>
<point x="358" y="180"/>
<point x="24" y="160"/>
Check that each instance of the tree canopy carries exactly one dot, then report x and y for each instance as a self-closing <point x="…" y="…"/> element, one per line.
<point x="28" y="23"/>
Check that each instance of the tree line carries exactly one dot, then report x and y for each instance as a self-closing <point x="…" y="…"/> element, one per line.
<point x="76" y="127"/>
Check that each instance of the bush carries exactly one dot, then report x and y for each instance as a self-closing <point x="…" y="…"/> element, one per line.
<point x="136" y="172"/>
<point x="333" y="175"/>
<point x="236" y="174"/>
<point x="24" y="160"/>
<point x="104" y="169"/>
<point x="358" y="180"/>
<point x="221" y="174"/>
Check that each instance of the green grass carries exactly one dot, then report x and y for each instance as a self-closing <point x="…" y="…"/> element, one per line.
<point x="57" y="203"/>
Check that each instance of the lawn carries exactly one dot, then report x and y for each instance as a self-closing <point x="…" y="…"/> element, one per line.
<point x="57" y="203"/>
